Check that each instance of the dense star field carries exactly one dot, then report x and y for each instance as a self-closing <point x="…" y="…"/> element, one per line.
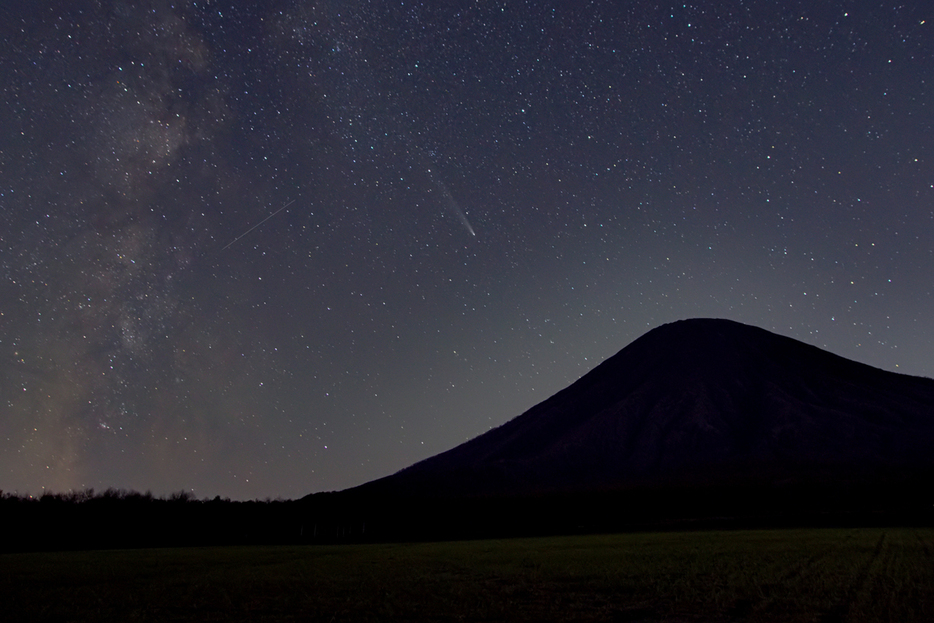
<point x="258" y="249"/>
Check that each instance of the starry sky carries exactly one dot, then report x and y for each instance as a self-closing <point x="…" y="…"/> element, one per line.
<point x="267" y="248"/>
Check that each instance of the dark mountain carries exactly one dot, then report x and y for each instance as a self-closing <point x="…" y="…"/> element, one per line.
<point x="694" y="417"/>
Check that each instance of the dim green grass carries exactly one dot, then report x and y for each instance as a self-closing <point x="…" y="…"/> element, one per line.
<point x="767" y="575"/>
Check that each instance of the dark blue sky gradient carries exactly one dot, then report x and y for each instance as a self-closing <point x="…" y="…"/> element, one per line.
<point x="621" y="166"/>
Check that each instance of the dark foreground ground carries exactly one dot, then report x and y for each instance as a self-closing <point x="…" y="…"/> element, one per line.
<point x="820" y="575"/>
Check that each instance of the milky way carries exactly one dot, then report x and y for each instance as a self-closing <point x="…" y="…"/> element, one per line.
<point x="235" y="253"/>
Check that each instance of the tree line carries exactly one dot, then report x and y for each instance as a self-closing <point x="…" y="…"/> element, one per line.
<point x="117" y="518"/>
<point x="88" y="519"/>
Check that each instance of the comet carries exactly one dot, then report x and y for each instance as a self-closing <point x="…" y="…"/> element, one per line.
<point x="455" y="208"/>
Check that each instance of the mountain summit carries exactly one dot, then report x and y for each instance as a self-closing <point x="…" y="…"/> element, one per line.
<point x="697" y="405"/>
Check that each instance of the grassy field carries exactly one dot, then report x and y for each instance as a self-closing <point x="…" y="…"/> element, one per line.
<point x="767" y="575"/>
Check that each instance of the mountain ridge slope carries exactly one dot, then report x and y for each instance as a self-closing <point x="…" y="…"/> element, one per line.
<point x="695" y="402"/>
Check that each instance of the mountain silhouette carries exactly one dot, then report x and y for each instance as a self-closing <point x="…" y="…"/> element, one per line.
<point x="699" y="409"/>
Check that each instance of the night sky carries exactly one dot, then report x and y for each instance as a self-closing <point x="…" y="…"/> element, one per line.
<point x="263" y="249"/>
